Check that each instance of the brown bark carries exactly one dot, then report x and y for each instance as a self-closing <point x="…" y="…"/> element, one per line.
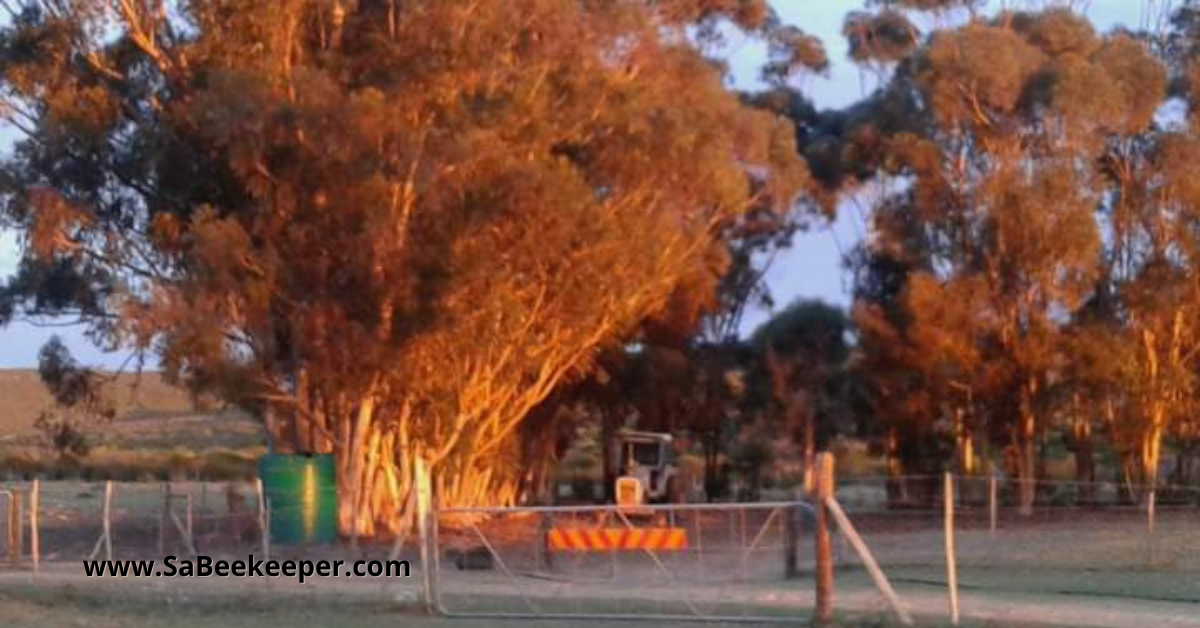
<point x="810" y="447"/>
<point x="373" y="474"/>
<point x="897" y="484"/>
<point x="964" y="443"/>
<point x="1152" y="451"/>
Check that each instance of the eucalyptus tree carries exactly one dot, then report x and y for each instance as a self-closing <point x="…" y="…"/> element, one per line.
<point x="1001" y="180"/>
<point x="394" y="227"/>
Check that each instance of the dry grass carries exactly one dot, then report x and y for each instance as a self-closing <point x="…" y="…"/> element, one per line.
<point x="158" y="433"/>
<point x="23" y="397"/>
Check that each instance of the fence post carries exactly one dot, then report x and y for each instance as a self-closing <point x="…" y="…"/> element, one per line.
<point x="993" y="503"/>
<point x="14" y="526"/>
<point x="951" y="562"/>
<point x="8" y="545"/>
<point x="188" y="521"/>
<point x="1150" y="503"/>
<point x="108" y="489"/>
<point x="823" y="481"/>
<point x="424" y="518"/>
<point x="791" y="542"/>
<point x="20" y="524"/>
<point x="266" y="532"/>
<point x="264" y="524"/>
<point x="35" y="550"/>
<point x="162" y="518"/>
<point x="1150" y="499"/>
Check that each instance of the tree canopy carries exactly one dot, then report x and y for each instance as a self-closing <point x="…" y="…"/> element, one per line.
<point x="393" y="227"/>
<point x="424" y="228"/>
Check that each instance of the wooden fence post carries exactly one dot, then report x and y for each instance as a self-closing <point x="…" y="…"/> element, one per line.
<point x="266" y="532"/>
<point x="1150" y="504"/>
<point x="424" y="520"/>
<point x="993" y="503"/>
<point x="162" y="518"/>
<point x="823" y="481"/>
<point x="951" y="561"/>
<point x="14" y="526"/>
<point x="188" y="521"/>
<point x="9" y="530"/>
<point x="1150" y="500"/>
<point x="108" y="490"/>
<point x="264" y="522"/>
<point x="21" y="496"/>
<point x="35" y="550"/>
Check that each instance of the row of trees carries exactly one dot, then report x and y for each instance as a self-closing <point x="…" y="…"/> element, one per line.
<point x="754" y="409"/>
<point x="1032" y="263"/>
<point x="423" y="228"/>
<point x="393" y="229"/>
<point x="1033" y="266"/>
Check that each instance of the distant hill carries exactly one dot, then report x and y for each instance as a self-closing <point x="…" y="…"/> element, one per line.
<point x="23" y="398"/>
<point x="157" y="434"/>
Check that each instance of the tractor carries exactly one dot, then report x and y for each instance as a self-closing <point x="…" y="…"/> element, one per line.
<point x="646" y="469"/>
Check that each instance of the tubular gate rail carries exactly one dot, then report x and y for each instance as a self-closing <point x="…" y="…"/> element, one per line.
<point x="721" y="562"/>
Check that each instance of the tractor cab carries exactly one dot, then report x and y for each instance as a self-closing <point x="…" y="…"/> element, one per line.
<point x="647" y="459"/>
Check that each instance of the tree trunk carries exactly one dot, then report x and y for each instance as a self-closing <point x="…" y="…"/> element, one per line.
<point x="464" y="482"/>
<point x="897" y="485"/>
<point x="373" y="475"/>
<point x="711" y="459"/>
<point x="1152" y="451"/>
<point x="611" y="459"/>
<point x="964" y="444"/>
<point x="810" y="448"/>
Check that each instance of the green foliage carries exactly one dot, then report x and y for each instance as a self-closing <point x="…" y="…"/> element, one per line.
<point x="812" y="332"/>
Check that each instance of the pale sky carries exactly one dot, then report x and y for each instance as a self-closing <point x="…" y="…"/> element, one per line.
<point x="811" y="268"/>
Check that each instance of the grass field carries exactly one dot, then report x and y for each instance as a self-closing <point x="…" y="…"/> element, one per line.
<point x="46" y="605"/>
<point x="1081" y="568"/>
<point x="158" y="433"/>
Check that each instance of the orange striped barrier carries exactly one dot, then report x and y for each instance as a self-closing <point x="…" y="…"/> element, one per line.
<point x="610" y="539"/>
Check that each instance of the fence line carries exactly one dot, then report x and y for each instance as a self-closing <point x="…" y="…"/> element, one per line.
<point x="749" y="561"/>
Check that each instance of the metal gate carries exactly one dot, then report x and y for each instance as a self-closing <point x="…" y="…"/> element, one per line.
<point x="722" y="562"/>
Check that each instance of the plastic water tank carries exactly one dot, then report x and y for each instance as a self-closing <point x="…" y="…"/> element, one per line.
<point x="301" y="491"/>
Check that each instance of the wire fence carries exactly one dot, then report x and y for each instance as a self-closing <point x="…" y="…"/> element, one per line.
<point x="1084" y="552"/>
<point x="1081" y="545"/>
<point x="152" y="520"/>
<point x="709" y="561"/>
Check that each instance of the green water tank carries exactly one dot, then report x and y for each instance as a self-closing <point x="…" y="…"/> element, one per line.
<point x="302" y="493"/>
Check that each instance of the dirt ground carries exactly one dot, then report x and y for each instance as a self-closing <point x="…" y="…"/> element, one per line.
<point x="44" y="607"/>
<point x="1067" y="567"/>
<point x="61" y="596"/>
